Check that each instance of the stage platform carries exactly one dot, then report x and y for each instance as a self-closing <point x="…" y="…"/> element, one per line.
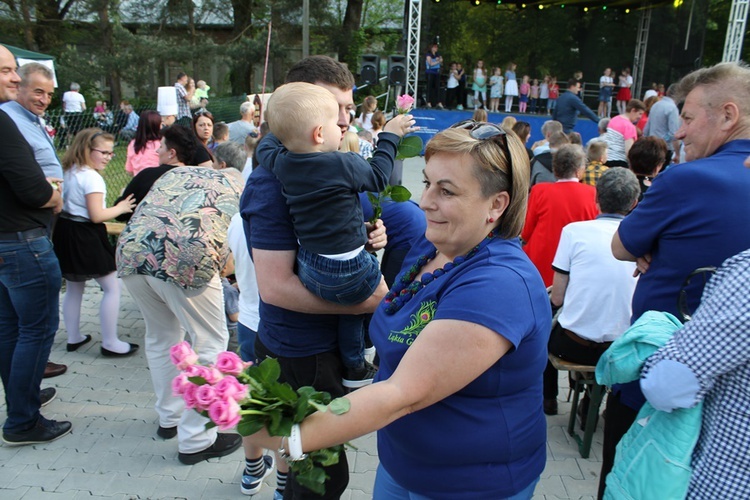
<point x="432" y="121"/>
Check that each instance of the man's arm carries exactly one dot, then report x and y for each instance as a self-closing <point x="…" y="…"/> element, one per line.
<point x="559" y="285"/>
<point x="580" y="106"/>
<point x="279" y="286"/>
<point x="619" y="250"/>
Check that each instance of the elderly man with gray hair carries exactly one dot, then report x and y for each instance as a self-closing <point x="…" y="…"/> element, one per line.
<point x="245" y="126"/>
<point x="593" y="288"/>
<point x="229" y="155"/>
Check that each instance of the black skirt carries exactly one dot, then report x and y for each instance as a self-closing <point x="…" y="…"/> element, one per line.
<point x="83" y="249"/>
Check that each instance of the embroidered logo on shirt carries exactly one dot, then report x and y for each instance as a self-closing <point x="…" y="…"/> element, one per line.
<point x="418" y="321"/>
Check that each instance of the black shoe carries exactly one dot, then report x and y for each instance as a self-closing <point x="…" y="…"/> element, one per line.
<point x="43" y="432"/>
<point x="112" y="354"/>
<point x="47" y="395"/>
<point x="166" y="432"/>
<point x="359" y="377"/>
<point x="74" y="347"/>
<point x="550" y="406"/>
<point x="224" y="445"/>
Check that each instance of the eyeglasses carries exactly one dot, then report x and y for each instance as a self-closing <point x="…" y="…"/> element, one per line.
<point x="106" y="154"/>
<point x="483" y="131"/>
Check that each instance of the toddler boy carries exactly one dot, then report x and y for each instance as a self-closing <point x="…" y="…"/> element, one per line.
<point x="321" y="187"/>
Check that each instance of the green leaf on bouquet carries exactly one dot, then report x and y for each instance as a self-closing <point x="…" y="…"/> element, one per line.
<point x="269" y="372"/>
<point x="373" y="198"/>
<point x="302" y="409"/>
<point x="409" y="147"/>
<point x="248" y="426"/>
<point x="400" y="194"/>
<point x="284" y="392"/>
<point x="318" y="406"/>
<point x="313" y="479"/>
<point x="339" y="406"/>
<point x="198" y="380"/>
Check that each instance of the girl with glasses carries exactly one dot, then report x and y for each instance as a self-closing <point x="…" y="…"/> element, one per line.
<point x="81" y="241"/>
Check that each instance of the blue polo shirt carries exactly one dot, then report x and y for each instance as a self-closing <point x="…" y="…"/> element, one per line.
<point x="268" y="226"/>
<point x="33" y="131"/>
<point x="694" y="214"/>
<point x="488" y="440"/>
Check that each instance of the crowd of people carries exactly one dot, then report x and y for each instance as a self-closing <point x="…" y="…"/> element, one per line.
<point x="485" y="88"/>
<point x="461" y="316"/>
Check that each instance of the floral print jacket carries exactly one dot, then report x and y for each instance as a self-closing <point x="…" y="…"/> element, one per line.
<point x="178" y="233"/>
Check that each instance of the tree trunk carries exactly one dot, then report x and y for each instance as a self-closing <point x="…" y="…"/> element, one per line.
<point x="241" y="73"/>
<point x="28" y="26"/>
<point x="106" y="30"/>
<point x="351" y="24"/>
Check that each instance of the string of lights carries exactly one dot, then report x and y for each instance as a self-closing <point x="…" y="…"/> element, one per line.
<point x="625" y="6"/>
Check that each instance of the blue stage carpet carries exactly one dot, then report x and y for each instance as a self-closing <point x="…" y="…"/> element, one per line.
<point x="432" y="121"/>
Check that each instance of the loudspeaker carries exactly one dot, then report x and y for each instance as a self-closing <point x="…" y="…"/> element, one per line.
<point x="370" y="72"/>
<point x="396" y="69"/>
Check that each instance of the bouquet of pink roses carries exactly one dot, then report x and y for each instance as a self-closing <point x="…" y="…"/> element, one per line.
<point x="234" y="393"/>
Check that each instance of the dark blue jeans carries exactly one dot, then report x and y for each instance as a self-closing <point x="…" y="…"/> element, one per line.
<point x="30" y="282"/>
<point x="344" y="282"/>
<point x="246" y="338"/>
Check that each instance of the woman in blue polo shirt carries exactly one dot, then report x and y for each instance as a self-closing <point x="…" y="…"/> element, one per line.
<point x="462" y="338"/>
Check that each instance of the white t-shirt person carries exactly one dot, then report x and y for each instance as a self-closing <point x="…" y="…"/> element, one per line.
<point x="600" y="289"/>
<point x="73" y="102"/>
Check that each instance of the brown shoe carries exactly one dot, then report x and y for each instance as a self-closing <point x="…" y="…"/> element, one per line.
<point x="53" y="370"/>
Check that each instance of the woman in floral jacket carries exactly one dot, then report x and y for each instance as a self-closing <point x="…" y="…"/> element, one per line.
<point x="170" y="256"/>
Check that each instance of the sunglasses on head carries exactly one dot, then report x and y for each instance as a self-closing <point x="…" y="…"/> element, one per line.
<point x="483" y="131"/>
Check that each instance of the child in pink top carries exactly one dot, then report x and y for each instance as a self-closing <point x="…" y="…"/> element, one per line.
<point x="523" y="94"/>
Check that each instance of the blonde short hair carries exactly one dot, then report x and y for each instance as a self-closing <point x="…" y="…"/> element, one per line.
<point x="295" y="108"/>
<point x="491" y="170"/>
<point x="596" y="150"/>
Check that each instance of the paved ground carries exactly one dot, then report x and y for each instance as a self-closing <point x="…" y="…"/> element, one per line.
<point x="113" y="451"/>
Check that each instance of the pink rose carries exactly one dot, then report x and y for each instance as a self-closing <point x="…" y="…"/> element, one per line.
<point x="183" y="355"/>
<point x="225" y="413"/>
<point x="230" y="363"/>
<point x="180" y="384"/>
<point x="209" y="374"/>
<point x="404" y="103"/>
<point x="205" y="396"/>
<point x="230" y="388"/>
<point x="189" y="396"/>
<point x="212" y="375"/>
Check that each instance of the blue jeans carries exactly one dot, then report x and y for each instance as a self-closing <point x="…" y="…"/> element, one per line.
<point x="246" y="338"/>
<point x="344" y="282"/>
<point x="387" y="489"/>
<point x="30" y="281"/>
